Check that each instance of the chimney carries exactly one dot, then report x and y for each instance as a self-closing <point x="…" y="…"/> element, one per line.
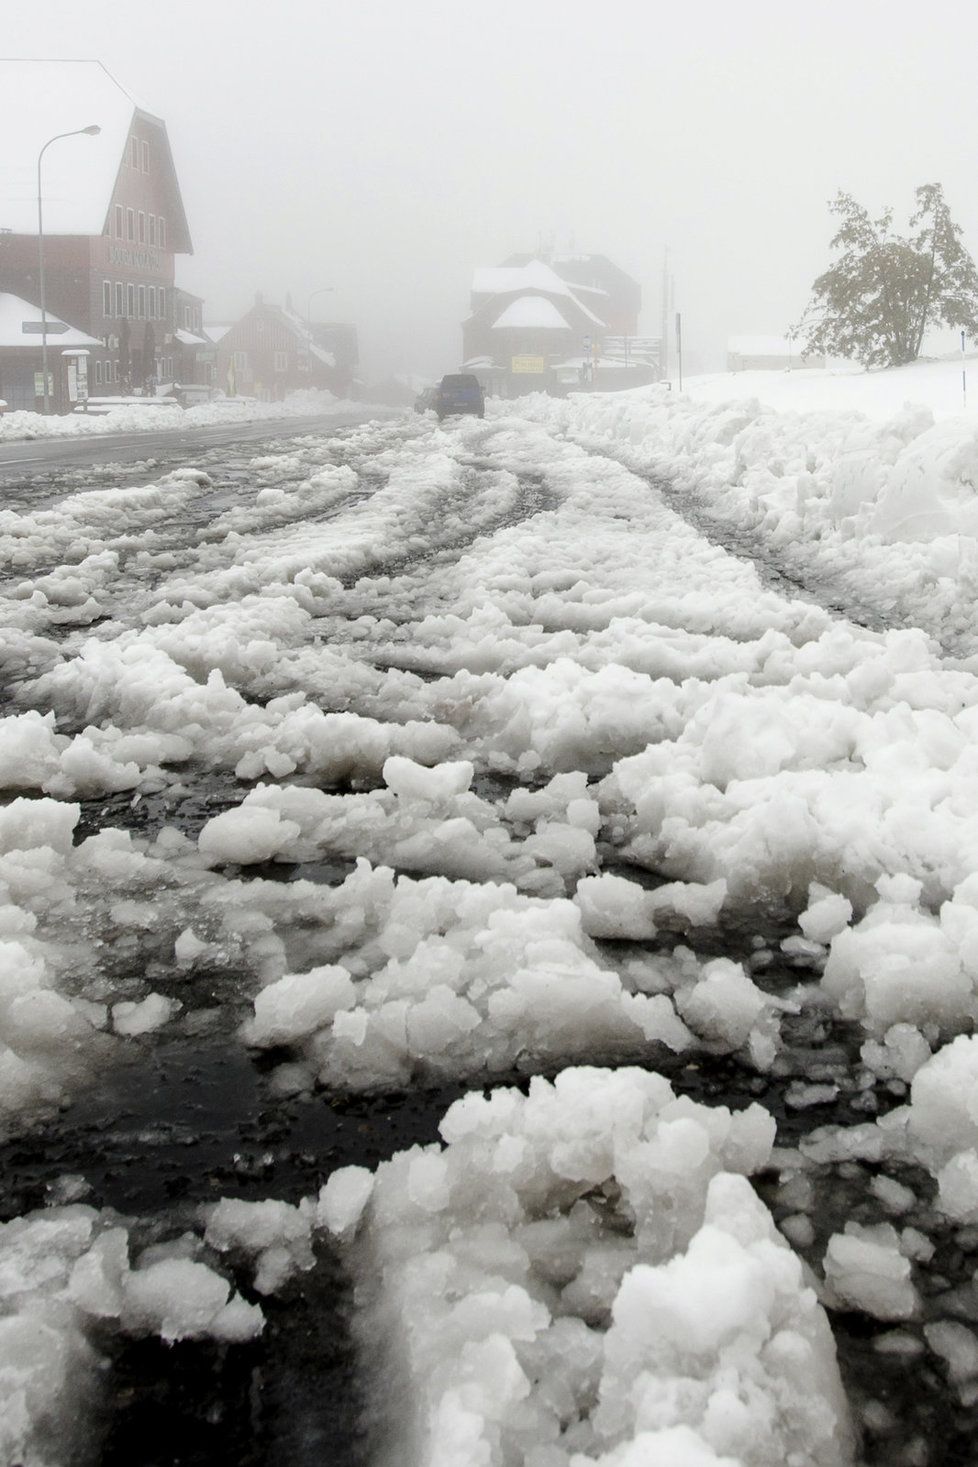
<point x="259" y="299"/>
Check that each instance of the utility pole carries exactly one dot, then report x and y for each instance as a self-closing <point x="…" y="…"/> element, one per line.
<point x="664" y="315"/>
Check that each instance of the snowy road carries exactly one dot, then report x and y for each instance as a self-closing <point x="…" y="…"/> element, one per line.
<point x="22" y="458"/>
<point x="394" y="768"/>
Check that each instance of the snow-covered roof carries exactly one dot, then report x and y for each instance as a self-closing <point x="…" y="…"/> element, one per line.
<point x="191" y="338"/>
<point x="507" y="279"/>
<point x="216" y="332"/>
<point x="323" y="355"/>
<point x="492" y="280"/>
<point x="531" y="313"/>
<point x="764" y="346"/>
<point x="38" y="100"/>
<point x="14" y="312"/>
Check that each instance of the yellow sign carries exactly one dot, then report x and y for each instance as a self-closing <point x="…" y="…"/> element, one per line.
<point x="534" y="366"/>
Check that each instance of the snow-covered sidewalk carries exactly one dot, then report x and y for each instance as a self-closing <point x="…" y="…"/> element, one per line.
<point x="149" y="417"/>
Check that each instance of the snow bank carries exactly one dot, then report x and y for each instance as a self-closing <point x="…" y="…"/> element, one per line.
<point x="885" y="509"/>
<point x="151" y="419"/>
<point x="582" y="1275"/>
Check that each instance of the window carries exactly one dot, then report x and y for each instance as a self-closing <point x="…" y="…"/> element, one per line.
<point x="142" y="227"/>
<point x="119" y="229"/>
<point x="241" y="360"/>
<point x="152" y="229"/>
<point x="98" y="374"/>
<point x="120" y="298"/>
<point x="281" y="361"/>
<point x="130" y="224"/>
<point x="144" y="153"/>
<point x="162" y="231"/>
<point x="151" y="294"/>
<point x="142" y="303"/>
<point x="130" y="301"/>
<point x="106" y="297"/>
<point x="134" y="152"/>
<point x="161" y="303"/>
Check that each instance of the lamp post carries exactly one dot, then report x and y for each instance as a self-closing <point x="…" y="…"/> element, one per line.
<point x="323" y="290"/>
<point x="78" y="132"/>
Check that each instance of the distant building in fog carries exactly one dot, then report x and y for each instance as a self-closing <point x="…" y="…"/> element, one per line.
<point x="113" y="223"/>
<point x="548" y="324"/>
<point x="768" y="354"/>
<point x="272" y="351"/>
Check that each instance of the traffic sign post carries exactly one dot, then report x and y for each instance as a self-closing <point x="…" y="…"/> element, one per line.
<point x="679" y="346"/>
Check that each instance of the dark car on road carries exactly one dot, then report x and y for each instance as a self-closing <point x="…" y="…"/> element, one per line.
<point x="459" y="393"/>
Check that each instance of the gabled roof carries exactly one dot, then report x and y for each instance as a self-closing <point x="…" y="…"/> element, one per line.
<point x="39" y="100"/>
<point x="14" y="312"/>
<point x="489" y="281"/>
<point x="531" y="313"/>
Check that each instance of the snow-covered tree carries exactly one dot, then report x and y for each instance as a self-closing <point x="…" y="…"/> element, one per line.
<point x="878" y="298"/>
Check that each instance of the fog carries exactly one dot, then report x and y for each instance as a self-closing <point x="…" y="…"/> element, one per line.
<point x="383" y="149"/>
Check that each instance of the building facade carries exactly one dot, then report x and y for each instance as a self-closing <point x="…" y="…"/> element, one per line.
<point x="271" y="352"/>
<point x="114" y="219"/>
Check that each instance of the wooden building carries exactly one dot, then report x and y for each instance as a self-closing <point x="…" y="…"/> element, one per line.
<point x="532" y="321"/>
<point x="271" y="351"/>
<point x="70" y="352"/>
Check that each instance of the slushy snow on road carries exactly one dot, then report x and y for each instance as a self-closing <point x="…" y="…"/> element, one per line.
<point x="420" y="755"/>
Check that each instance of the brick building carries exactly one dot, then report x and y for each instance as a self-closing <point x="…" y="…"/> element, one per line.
<point x="113" y="215"/>
<point x="272" y="351"/>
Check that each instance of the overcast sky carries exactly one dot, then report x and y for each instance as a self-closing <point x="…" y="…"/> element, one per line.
<point x="386" y="148"/>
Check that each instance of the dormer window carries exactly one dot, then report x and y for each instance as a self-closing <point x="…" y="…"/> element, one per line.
<point x="144" y="156"/>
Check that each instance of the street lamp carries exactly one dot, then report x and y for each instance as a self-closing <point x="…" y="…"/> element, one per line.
<point x="323" y="290"/>
<point x="78" y="132"/>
